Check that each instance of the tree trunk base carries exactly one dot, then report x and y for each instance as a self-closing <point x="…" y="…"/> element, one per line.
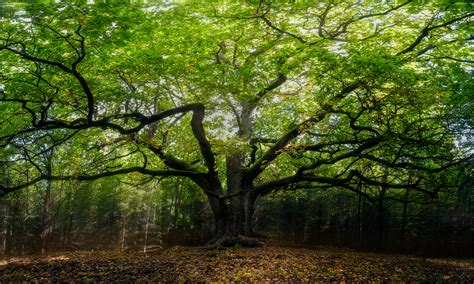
<point x="234" y="241"/>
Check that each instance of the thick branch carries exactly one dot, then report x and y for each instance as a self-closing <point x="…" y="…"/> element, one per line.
<point x="271" y="25"/>
<point x="259" y="166"/>
<point x="342" y="28"/>
<point x="200" y="135"/>
<point x="104" y="123"/>
<point x="73" y="70"/>
<point x="407" y="165"/>
<point x="142" y="170"/>
<point x="281" y="78"/>
<point x="425" y="32"/>
<point x="254" y="170"/>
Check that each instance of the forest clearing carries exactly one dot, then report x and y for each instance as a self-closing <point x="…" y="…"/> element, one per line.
<point x="264" y="264"/>
<point x="138" y="139"/>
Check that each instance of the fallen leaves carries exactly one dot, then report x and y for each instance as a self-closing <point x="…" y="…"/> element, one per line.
<point x="270" y="263"/>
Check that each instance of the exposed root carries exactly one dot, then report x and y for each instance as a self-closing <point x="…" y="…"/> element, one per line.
<point x="234" y="241"/>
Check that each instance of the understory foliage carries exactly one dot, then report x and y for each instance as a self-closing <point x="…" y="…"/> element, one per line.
<point x="134" y="126"/>
<point x="111" y="214"/>
<point x="106" y="214"/>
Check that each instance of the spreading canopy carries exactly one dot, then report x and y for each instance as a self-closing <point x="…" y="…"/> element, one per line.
<point x="241" y="97"/>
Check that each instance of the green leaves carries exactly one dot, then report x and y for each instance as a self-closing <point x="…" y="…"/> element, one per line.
<point x="393" y="71"/>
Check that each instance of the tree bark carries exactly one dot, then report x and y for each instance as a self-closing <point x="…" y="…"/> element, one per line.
<point x="46" y="219"/>
<point x="233" y="216"/>
<point x="5" y="229"/>
<point x="359" y="221"/>
<point x="381" y="219"/>
<point x="404" y="220"/>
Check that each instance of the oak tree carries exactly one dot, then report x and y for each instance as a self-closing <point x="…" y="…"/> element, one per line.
<point x="244" y="98"/>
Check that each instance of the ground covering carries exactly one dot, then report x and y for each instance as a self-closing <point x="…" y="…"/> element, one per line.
<point x="268" y="263"/>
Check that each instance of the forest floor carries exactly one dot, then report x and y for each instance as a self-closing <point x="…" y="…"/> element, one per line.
<point x="268" y="263"/>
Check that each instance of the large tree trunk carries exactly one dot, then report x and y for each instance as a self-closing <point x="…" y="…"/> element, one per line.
<point x="238" y="210"/>
<point x="233" y="213"/>
<point x="242" y="204"/>
<point x="233" y="217"/>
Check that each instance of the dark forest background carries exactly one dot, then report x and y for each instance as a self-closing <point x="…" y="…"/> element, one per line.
<point x="113" y="214"/>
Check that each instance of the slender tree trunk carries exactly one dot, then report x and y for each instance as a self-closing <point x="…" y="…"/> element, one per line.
<point x="69" y="230"/>
<point x="45" y="219"/>
<point x="279" y="222"/>
<point x="5" y="230"/>
<point x="147" y="225"/>
<point x="122" y="239"/>
<point x="176" y="202"/>
<point x="404" y="220"/>
<point x="69" y="219"/>
<point x="307" y="229"/>
<point x="56" y="219"/>
<point x="381" y="219"/>
<point x="319" y="221"/>
<point x="8" y="241"/>
<point x="359" y="221"/>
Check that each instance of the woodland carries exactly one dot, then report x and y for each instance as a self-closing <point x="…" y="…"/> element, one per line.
<point x="260" y="140"/>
